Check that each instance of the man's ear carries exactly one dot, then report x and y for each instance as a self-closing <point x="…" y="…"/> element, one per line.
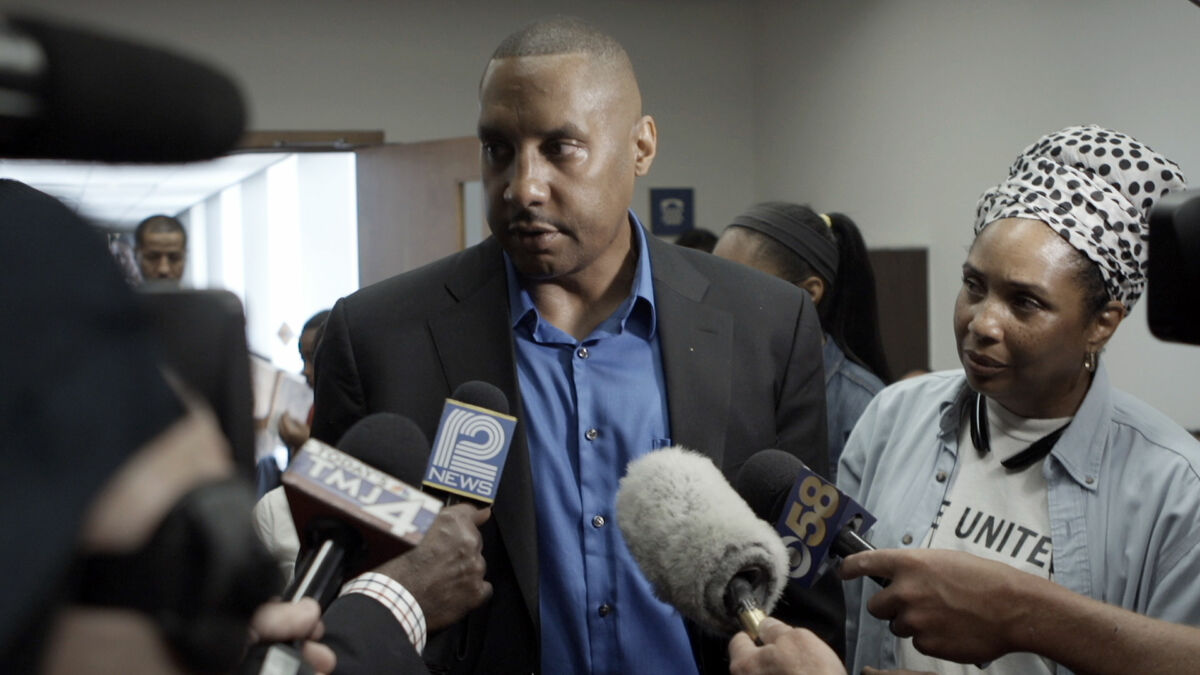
<point x="645" y="145"/>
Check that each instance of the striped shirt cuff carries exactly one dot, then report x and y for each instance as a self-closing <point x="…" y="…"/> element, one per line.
<point x="391" y="594"/>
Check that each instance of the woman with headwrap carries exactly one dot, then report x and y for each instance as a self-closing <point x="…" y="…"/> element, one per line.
<point x="1028" y="456"/>
<point x="825" y="255"/>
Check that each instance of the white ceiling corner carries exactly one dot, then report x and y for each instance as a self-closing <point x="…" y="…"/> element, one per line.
<point x="119" y="196"/>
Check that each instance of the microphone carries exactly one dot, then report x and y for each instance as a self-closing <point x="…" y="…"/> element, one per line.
<point x="352" y="516"/>
<point x="814" y="518"/>
<point x="698" y="542"/>
<point x="471" y="444"/>
<point x="69" y="93"/>
<point x="351" y="513"/>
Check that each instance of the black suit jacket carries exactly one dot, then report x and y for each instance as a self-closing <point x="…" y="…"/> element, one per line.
<point x="367" y="639"/>
<point x="741" y="353"/>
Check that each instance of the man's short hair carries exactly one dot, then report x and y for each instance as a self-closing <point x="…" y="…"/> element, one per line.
<point x="158" y="223"/>
<point x="561" y="35"/>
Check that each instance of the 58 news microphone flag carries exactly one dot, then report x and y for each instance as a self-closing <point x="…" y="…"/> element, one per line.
<point x="816" y="517"/>
<point x="469" y="451"/>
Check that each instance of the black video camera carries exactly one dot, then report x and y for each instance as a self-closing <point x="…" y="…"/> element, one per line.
<point x="1173" y="289"/>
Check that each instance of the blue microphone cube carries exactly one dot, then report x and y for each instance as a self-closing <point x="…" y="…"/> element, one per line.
<point x="469" y="451"/>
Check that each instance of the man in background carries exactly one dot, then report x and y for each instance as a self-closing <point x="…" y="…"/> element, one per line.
<point x="160" y="243"/>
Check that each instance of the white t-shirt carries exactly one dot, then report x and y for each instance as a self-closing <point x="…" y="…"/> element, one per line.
<point x="995" y="513"/>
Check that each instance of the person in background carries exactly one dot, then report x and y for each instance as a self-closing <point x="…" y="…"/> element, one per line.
<point x="294" y="432"/>
<point x="825" y="255"/>
<point x="699" y="239"/>
<point x="160" y="244"/>
<point x="1029" y="456"/>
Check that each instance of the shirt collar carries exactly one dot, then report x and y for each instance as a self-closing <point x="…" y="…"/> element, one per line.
<point x="954" y="413"/>
<point x="833" y="357"/>
<point x="636" y="314"/>
<point x="1081" y="447"/>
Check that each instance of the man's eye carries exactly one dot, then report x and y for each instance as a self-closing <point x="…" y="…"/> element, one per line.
<point x="559" y="149"/>
<point x="495" y="151"/>
<point x="1027" y="302"/>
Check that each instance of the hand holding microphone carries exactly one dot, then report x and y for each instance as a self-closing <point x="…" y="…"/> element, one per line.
<point x="946" y="601"/>
<point x="784" y="651"/>
<point x="352" y="515"/>
<point x="283" y="622"/>
<point x="445" y="573"/>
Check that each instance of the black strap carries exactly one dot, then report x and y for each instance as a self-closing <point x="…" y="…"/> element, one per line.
<point x="980" y="437"/>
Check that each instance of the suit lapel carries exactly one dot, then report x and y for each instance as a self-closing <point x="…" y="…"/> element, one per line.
<point x="474" y="342"/>
<point x="697" y="346"/>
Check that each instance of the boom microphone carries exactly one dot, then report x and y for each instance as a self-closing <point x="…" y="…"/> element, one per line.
<point x="813" y="516"/>
<point x="68" y="93"/>
<point x="698" y="543"/>
<point x="471" y="444"/>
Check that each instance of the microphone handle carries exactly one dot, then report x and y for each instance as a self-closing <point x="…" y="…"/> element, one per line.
<point x="740" y="598"/>
<point x="318" y="576"/>
<point x="849" y="542"/>
<point x="274" y="659"/>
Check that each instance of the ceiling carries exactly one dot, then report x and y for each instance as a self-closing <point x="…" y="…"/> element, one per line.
<point x="119" y="196"/>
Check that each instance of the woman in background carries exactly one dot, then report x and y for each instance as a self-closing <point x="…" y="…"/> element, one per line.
<point x="825" y="255"/>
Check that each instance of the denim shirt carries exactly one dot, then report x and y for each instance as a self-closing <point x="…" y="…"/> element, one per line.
<point x="1123" y="490"/>
<point x="848" y="389"/>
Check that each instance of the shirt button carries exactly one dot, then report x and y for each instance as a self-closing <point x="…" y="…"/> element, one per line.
<point x="1089" y="480"/>
<point x="940" y="477"/>
<point x="591" y="434"/>
<point x="598" y="521"/>
<point x="605" y="609"/>
<point x="582" y="352"/>
<point x="906" y="540"/>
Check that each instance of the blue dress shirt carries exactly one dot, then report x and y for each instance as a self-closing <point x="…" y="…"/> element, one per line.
<point x="589" y="407"/>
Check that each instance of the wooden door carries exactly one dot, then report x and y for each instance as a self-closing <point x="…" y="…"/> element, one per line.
<point x="902" y="291"/>
<point x="410" y="209"/>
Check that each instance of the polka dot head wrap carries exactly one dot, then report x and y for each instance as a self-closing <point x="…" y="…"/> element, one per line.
<point x="1095" y="188"/>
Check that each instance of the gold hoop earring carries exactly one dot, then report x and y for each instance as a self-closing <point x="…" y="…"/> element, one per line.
<point x="1089" y="361"/>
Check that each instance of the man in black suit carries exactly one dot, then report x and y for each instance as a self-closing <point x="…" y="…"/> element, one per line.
<point x="607" y="342"/>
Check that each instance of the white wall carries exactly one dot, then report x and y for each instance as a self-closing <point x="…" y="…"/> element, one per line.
<point x="284" y="241"/>
<point x="898" y="112"/>
<point x="901" y="112"/>
<point x="411" y="68"/>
